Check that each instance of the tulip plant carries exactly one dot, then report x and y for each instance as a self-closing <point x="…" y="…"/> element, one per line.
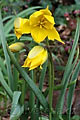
<point x="40" y="26"/>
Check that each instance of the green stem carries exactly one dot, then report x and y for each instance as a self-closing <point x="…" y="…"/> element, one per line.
<point x="42" y="76"/>
<point x="51" y="81"/>
<point x="3" y="41"/>
<point x="41" y="81"/>
<point x="32" y="100"/>
<point x="51" y="84"/>
<point x="23" y="93"/>
<point x="16" y="73"/>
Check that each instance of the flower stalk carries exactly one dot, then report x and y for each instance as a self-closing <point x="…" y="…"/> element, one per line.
<point x="23" y="93"/>
<point x="51" y="83"/>
<point x="16" y="73"/>
<point x="32" y="98"/>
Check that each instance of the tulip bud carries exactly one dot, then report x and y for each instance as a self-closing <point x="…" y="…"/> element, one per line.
<point x="16" y="47"/>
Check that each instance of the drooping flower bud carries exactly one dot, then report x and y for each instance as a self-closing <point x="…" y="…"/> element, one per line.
<point x="16" y="47"/>
<point x="36" y="57"/>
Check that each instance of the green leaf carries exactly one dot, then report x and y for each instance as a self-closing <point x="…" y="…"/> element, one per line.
<point x="75" y="117"/>
<point x="71" y="90"/>
<point x="6" y="18"/>
<point x="42" y="76"/>
<point x="16" y="109"/>
<point x="3" y="66"/>
<point x="5" y="85"/>
<point x="3" y="41"/>
<point x="16" y="73"/>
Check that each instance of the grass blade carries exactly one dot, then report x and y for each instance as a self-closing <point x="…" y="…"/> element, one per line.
<point x="16" y="109"/>
<point x="65" y="80"/>
<point x="16" y="73"/>
<point x="3" y="40"/>
<point x="6" y="18"/>
<point x="32" y="98"/>
<point x="42" y="76"/>
<point x="3" y="68"/>
<point x="5" y="86"/>
<point x="71" y="90"/>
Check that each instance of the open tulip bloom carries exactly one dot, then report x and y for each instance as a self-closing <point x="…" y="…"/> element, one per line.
<point x="40" y="25"/>
<point x="36" y="57"/>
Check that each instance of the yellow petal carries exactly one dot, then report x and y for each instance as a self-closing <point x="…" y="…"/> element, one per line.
<point x="53" y="34"/>
<point x="50" y="19"/>
<point x="35" y="51"/>
<point x="27" y="62"/>
<point x="26" y="28"/>
<point x="31" y="68"/>
<point x="18" y="34"/>
<point x="34" y="19"/>
<point x="36" y="62"/>
<point x="46" y="11"/>
<point x="48" y="25"/>
<point x="41" y="67"/>
<point x="38" y="34"/>
<point x="22" y="26"/>
<point x="18" y="23"/>
<point x="36" y="14"/>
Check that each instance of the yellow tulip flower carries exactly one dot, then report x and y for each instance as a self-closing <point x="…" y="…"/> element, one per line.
<point x="36" y="57"/>
<point x="40" y="25"/>
<point x="16" y="47"/>
<point x="21" y="26"/>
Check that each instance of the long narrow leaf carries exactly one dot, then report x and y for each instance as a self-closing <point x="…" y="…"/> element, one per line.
<point x="5" y="85"/>
<point x="16" y="109"/>
<point x="71" y="90"/>
<point x="3" y="41"/>
<point x="16" y="73"/>
<point x="3" y="66"/>
<point x="42" y="76"/>
<point x="17" y="112"/>
<point x="6" y="18"/>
